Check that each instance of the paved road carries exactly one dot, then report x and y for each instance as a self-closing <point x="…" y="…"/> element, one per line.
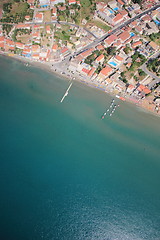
<point x="72" y="24"/>
<point x="60" y="22"/>
<point x="145" y="69"/>
<point x="99" y="40"/>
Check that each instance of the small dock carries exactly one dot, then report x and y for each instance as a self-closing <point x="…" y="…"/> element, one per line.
<point x="66" y="93"/>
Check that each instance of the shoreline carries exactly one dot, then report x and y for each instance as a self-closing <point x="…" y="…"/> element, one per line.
<point x="49" y="67"/>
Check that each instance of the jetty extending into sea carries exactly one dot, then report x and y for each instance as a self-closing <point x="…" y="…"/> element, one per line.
<point x="66" y="93"/>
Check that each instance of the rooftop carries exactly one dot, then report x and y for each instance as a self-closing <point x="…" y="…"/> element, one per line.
<point x="100" y="58"/>
<point x="106" y="71"/>
<point x="124" y="36"/>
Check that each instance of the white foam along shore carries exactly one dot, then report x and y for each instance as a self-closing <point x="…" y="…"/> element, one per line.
<point x="75" y="77"/>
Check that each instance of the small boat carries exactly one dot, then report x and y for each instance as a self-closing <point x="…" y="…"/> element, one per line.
<point x="102" y="117"/>
<point x="105" y="113"/>
<point x="108" y="110"/>
<point x="110" y="114"/>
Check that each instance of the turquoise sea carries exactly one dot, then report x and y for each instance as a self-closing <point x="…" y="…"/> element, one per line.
<point x="65" y="174"/>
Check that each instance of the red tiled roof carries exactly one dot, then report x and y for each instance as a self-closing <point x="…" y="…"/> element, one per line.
<point x="2" y="45"/>
<point x="100" y="58"/>
<point x="127" y="28"/>
<point x="100" y="47"/>
<point x="106" y="71"/>
<point x="26" y="50"/>
<point x="119" y="58"/>
<point x="27" y="17"/>
<point x="48" y="28"/>
<point x="91" y="71"/>
<point x="138" y="29"/>
<point x="36" y="34"/>
<point x="35" y="55"/>
<point x="55" y="47"/>
<point x="30" y="1"/>
<point x="39" y="15"/>
<point x="124" y="36"/>
<point x="117" y="18"/>
<point x="35" y="47"/>
<point x="11" y="48"/>
<point x="146" y="18"/>
<point x="134" y="23"/>
<point x="117" y="43"/>
<point x="85" y="70"/>
<point x="129" y="64"/>
<point x="36" y="26"/>
<point x="144" y="89"/>
<point x="110" y="39"/>
<point x="2" y="39"/>
<point x="72" y="1"/>
<point x="87" y="52"/>
<point x="63" y="50"/>
<point x="121" y="2"/>
<point x="9" y="42"/>
<point x="135" y="44"/>
<point x="18" y="44"/>
<point x="131" y="86"/>
<point x="123" y="12"/>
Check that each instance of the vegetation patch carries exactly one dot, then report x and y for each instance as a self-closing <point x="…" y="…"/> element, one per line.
<point x="154" y="66"/>
<point x="141" y="73"/>
<point x="155" y="37"/>
<point x="87" y="10"/>
<point x="92" y="57"/>
<point x="101" y="25"/>
<point x="123" y="77"/>
<point x="15" y="12"/>
<point x="7" y="28"/>
<point x="137" y="60"/>
<point x="111" y="51"/>
<point x="66" y="14"/>
<point x="20" y="32"/>
<point x="127" y="49"/>
<point x="63" y="35"/>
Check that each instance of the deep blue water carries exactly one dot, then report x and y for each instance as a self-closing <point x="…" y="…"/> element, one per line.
<point x="66" y="174"/>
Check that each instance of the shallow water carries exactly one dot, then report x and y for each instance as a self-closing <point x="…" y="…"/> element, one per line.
<point x="66" y="174"/>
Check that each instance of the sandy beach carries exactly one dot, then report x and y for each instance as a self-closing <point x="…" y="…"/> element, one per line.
<point x="61" y="71"/>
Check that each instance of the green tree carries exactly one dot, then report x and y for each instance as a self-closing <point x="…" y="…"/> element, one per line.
<point x="141" y="72"/>
<point x="111" y="50"/>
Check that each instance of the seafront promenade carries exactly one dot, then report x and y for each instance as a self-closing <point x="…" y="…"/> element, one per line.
<point x="114" y="61"/>
<point x="62" y="71"/>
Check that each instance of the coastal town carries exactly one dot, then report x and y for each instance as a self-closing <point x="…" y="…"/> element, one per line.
<point x="111" y="45"/>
